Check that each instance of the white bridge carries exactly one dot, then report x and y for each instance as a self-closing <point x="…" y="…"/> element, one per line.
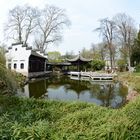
<point x="95" y="76"/>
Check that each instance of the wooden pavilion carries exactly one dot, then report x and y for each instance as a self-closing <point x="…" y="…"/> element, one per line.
<point x="78" y="61"/>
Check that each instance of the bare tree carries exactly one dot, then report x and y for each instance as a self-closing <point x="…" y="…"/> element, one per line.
<point x="50" y="24"/>
<point x="126" y="33"/>
<point x="95" y="52"/>
<point x="14" y="25"/>
<point x="21" y="23"/>
<point x="102" y="50"/>
<point x="46" y="24"/>
<point x="69" y="55"/>
<point x="107" y="30"/>
<point x="86" y="53"/>
<point x="32" y="15"/>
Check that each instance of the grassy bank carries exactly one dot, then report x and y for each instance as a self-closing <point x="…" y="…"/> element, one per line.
<point x="27" y="119"/>
<point x="130" y="79"/>
<point x="31" y="119"/>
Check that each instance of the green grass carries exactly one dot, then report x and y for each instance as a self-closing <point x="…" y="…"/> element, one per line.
<point x="136" y="74"/>
<point x="131" y="79"/>
<point x="31" y="119"/>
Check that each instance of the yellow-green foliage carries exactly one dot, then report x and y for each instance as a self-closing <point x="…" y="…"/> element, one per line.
<point x="27" y="119"/>
<point x="2" y="56"/>
<point x="131" y="79"/>
<point x="8" y="80"/>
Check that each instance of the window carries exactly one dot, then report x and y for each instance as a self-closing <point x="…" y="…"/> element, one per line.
<point x="22" y="66"/>
<point x="15" y="65"/>
<point x="9" y="66"/>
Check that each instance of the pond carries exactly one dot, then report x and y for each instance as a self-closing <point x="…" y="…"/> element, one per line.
<point x="107" y="94"/>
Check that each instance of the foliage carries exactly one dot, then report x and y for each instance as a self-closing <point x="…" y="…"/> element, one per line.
<point x="97" y="64"/>
<point x="2" y="56"/>
<point x="54" y="56"/>
<point x="131" y="79"/>
<point x="135" y="56"/>
<point x="95" y="52"/>
<point x="138" y="68"/>
<point x="20" y="79"/>
<point x="7" y="78"/>
<point x="53" y="120"/>
<point x="121" y="64"/>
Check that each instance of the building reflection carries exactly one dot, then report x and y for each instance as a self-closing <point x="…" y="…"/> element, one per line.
<point x="37" y="88"/>
<point x="102" y="93"/>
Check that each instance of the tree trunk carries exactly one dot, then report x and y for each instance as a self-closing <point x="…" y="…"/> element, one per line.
<point x="20" y="38"/>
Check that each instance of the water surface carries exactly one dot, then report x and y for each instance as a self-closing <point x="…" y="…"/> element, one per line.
<point x="107" y="94"/>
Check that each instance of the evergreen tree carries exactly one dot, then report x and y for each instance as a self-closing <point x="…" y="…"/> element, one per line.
<point x="135" y="57"/>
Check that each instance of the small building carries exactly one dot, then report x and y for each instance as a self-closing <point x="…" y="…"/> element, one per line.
<point x="78" y="61"/>
<point x="23" y="59"/>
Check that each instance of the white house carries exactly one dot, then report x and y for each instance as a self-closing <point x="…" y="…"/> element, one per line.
<point x="23" y="59"/>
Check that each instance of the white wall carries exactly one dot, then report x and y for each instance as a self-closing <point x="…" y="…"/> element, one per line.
<point x="18" y="55"/>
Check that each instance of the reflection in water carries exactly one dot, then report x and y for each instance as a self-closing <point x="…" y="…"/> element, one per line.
<point x="63" y="88"/>
<point x="110" y="94"/>
<point x="38" y="87"/>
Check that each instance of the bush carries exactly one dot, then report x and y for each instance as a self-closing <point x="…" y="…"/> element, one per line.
<point x="121" y="65"/>
<point x="7" y="78"/>
<point x="97" y="64"/>
<point x="138" y="68"/>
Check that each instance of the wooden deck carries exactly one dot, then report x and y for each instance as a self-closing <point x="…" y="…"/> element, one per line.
<point x="39" y="74"/>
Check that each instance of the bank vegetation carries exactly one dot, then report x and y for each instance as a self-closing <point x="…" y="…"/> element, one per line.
<point x="26" y="119"/>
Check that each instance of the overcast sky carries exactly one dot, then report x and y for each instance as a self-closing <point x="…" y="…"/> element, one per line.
<point x="84" y="16"/>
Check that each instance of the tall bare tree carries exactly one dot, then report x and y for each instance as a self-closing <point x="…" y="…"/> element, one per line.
<point x="50" y="24"/>
<point x="107" y="30"/>
<point x="32" y="15"/>
<point x="46" y="24"/>
<point x="95" y="52"/>
<point x="14" y="26"/>
<point x="126" y="33"/>
<point x="102" y="50"/>
<point x="21" y="23"/>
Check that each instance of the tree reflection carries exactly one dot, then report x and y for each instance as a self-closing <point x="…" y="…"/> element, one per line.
<point x="37" y="88"/>
<point x="105" y="93"/>
<point x="110" y="94"/>
<point x="77" y="86"/>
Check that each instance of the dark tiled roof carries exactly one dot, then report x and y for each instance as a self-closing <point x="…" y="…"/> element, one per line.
<point x="18" y="43"/>
<point x="79" y="57"/>
<point x="38" y="55"/>
<point x="28" y="48"/>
